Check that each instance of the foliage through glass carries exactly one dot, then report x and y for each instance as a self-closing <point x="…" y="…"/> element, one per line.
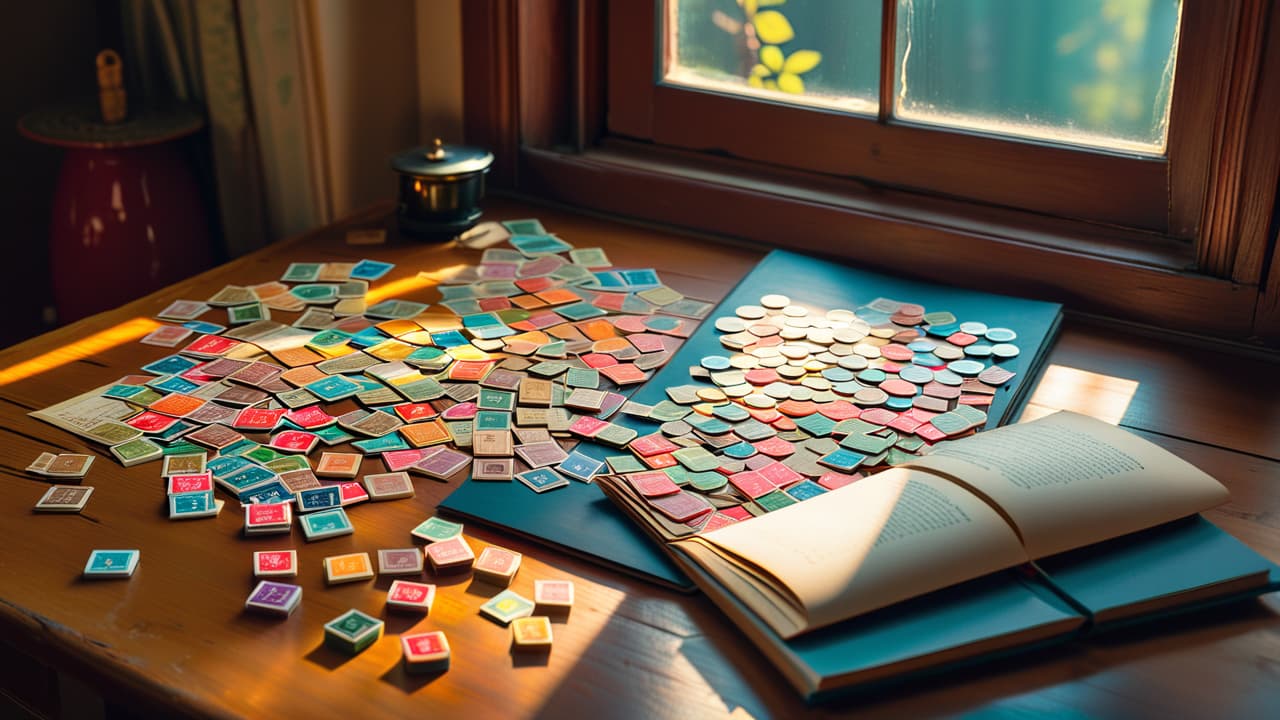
<point x="1097" y="73"/>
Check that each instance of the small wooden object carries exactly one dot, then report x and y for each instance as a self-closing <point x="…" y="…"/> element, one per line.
<point x="111" y="94"/>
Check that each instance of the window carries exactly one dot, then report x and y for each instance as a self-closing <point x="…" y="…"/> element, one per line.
<point x="1112" y="154"/>
<point x="822" y="54"/>
<point x="1094" y="73"/>
<point x="970" y="102"/>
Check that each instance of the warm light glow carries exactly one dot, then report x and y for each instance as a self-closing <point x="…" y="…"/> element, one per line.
<point x="846" y="103"/>
<point x="475" y="643"/>
<point x="127" y="331"/>
<point x="1105" y="397"/>
<point x="403" y="286"/>
<point x="396" y="288"/>
<point x="595" y="609"/>
<point x="438" y="321"/>
<point x="1031" y="130"/>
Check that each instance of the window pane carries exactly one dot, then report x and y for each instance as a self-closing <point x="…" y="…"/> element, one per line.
<point x="1087" y="72"/>
<point x="817" y="52"/>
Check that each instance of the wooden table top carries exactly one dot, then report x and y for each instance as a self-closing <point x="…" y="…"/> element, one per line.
<point x="174" y="638"/>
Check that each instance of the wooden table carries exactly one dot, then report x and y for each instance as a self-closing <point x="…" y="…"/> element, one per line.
<point x="174" y="639"/>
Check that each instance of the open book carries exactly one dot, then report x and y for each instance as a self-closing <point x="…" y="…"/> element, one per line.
<point x="974" y="506"/>
<point x="941" y="525"/>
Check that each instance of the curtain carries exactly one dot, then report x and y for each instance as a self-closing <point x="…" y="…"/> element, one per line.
<point x="306" y="100"/>
<point x="190" y="51"/>
<point x="280" y="58"/>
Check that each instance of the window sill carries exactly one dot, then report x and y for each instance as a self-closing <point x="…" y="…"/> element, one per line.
<point x="1091" y="268"/>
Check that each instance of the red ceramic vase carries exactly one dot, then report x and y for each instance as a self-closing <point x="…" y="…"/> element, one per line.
<point x="126" y="222"/>
<point x="127" y="213"/>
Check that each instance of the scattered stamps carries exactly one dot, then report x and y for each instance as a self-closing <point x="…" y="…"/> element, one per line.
<point x="326" y="524"/>
<point x="388" y="486"/>
<point x="497" y="565"/>
<point x="413" y="596"/>
<point x="436" y="529"/>
<point x="352" y="632"/>
<point x="498" y="469"/>
<point x="195" y="482"/>
<point x="274" y="598"/>
<point x="546" y="338"/>
<point x="275" y="563"/>
<point x="450" y="555"/>
<point x="112" y="563"/>
<point x="507" y="606"/>
<point x="64" y="465"/>
<point x="425" y="652"/>
<point x="338" y="465"/>
<point x="64" y="499"/>
<point x="186" y="506"/>
<point x="531" y="634"/>
<point x="351" y="567"/>
<point x="553" y="597"/>
<point x="400" y="561"/>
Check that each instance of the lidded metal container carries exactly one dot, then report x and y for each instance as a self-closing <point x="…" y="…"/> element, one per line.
<point x="440" y="189"/>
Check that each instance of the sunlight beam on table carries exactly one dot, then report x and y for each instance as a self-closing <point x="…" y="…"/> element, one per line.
<point x="98" y="342"/>
<point x="1105" y="397"/>
<point x="405" y="286"/>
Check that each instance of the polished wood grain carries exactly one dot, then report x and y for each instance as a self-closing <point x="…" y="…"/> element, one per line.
<point x="1219" y="221"/>
<point x="544" y="84"/>
<point x="173" y="640"/>
<point x="1261" y="167"/>
<point x="888" y="59"/>
<point x="630" y="84"/>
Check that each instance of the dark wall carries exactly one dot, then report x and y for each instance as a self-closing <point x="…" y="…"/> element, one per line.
<point x="47" y="54"/>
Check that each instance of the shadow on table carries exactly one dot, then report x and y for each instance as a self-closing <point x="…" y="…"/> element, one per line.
<point x="529" y="658"/>
<point x="397" y="621"/>
<point x="328" y="658"/>
<point x="409" y="682"/>
<point x="483" y="588"/>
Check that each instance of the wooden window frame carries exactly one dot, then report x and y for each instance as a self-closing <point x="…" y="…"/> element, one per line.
<point x="896" y="153"/>
<point x="541" y="92"/>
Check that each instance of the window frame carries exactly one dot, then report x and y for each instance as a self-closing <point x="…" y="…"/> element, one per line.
<point x="890" y="151"/>
<point x="540" y="90"/>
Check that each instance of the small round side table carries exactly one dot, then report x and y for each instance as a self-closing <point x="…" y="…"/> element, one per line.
<point x="128" y="217"/>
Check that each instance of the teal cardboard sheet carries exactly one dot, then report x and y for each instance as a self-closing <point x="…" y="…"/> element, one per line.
<point x="1069" y="598"/>
<point x="1173" y="559"/>
<point x="580" y="519"/>
<point x="1009" y="611"/>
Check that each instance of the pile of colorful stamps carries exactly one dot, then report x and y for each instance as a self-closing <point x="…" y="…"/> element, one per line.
<point x="536" y="344"/>
<point x="805" y="401"/>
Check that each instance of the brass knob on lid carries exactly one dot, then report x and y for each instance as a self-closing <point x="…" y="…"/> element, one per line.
<point x="436" y="153"/>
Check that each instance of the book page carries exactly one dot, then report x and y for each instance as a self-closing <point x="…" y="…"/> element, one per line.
<point x="1069" y="480"/>
<point x="886" y="538"/>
